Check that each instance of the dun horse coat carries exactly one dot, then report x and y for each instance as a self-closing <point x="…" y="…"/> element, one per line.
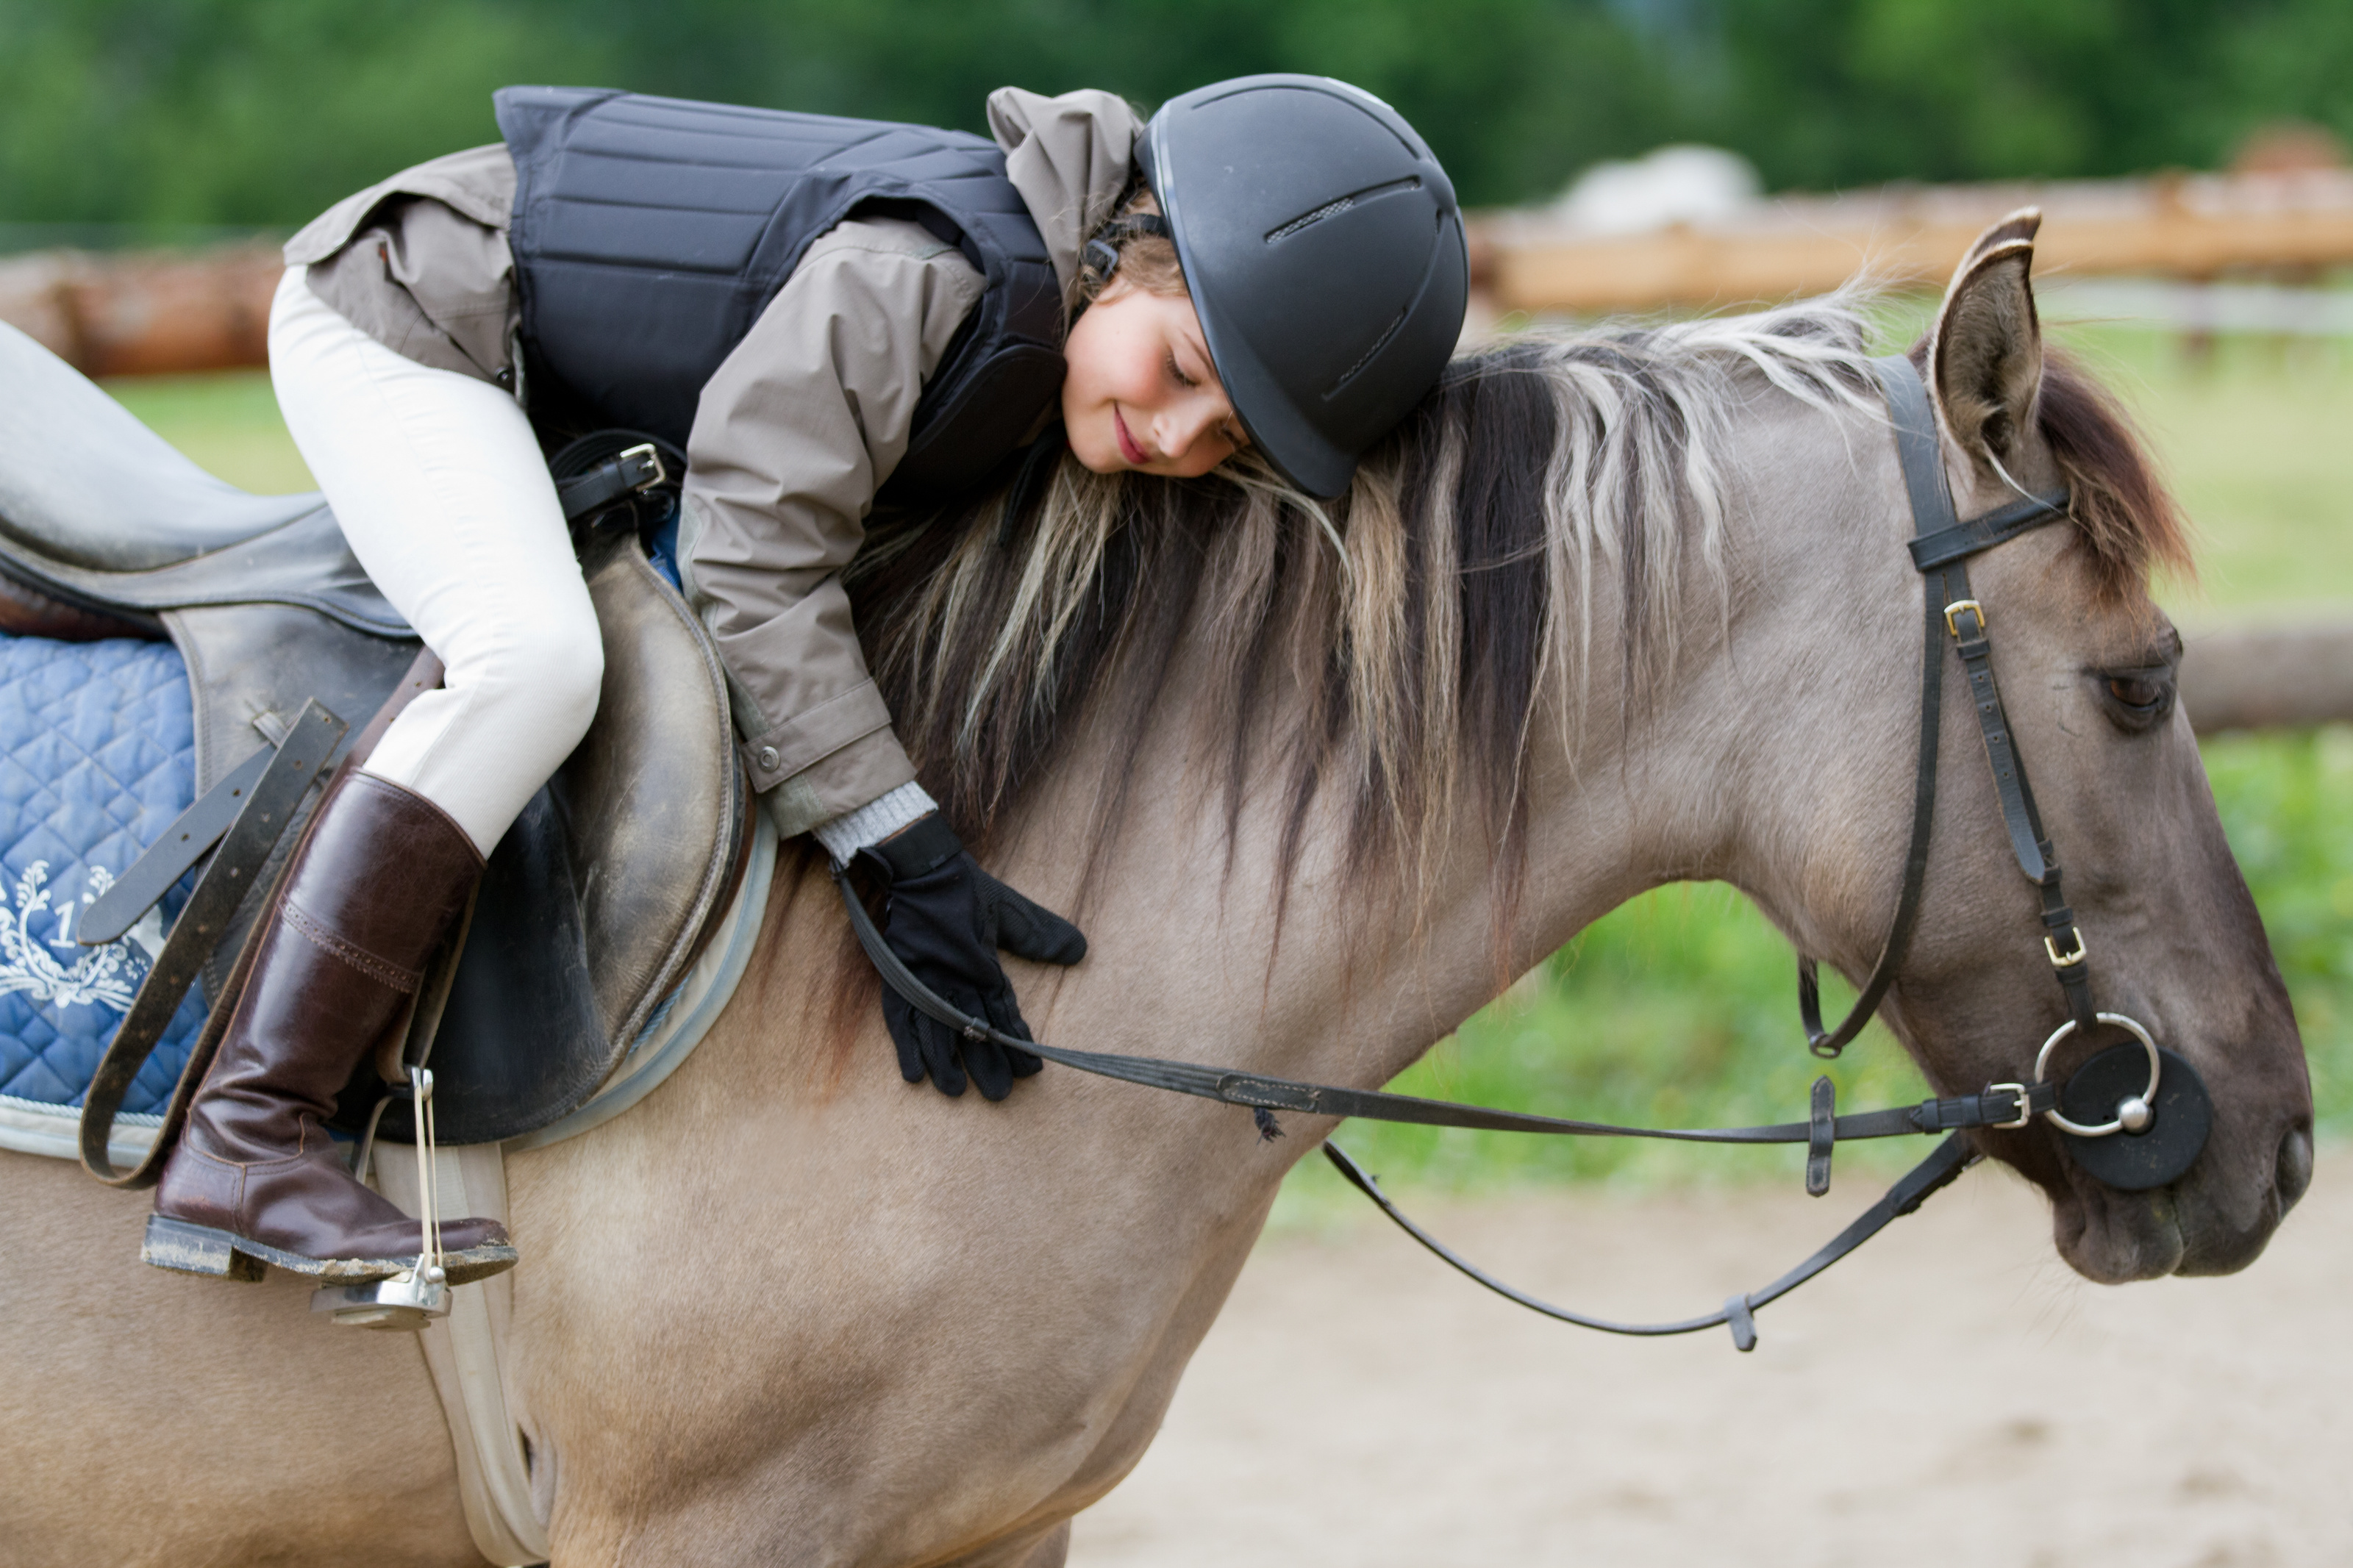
<point x="1609" y="612"/>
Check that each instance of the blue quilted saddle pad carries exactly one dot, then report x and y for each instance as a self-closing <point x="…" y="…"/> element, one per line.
<point x="97" y="758"/>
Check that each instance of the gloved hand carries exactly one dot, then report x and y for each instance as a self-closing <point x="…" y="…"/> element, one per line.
<point x="945" y="918"/>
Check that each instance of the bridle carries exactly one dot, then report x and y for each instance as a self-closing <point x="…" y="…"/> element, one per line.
<point x="2133" y="1116"/>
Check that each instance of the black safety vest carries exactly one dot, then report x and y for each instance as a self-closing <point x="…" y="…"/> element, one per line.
<point x="650" y="233"/>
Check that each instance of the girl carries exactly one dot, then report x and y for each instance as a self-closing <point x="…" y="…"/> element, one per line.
<point x="822" y="312"/>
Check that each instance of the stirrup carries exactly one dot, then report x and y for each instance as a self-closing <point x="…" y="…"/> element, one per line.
<point x="414" y="1298"/>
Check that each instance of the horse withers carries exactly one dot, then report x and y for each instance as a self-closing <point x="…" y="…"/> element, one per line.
<point x="1609" y="611"/>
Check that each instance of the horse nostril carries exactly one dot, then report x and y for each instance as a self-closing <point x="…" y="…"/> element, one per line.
<point x="2295" y="1166"/>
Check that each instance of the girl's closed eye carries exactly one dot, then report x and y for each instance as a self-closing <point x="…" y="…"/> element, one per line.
<point x="1176" y="372"/>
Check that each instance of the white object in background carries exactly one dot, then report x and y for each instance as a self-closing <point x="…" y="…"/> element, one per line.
<point x="1681" y="183"/>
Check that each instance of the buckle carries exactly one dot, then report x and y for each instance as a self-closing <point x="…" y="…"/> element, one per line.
<point x="2066" y="960"/>
<point x="641" y="466"/>
<point x="2025" y="1106"/>
<point x="1973" y="607"/>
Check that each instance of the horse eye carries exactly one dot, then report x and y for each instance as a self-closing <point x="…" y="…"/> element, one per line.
<point x="2139" y="699"/>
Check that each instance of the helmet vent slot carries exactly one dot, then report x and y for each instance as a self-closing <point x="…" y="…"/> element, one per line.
<point x="1365" y="358"/>
<point x="1334" y="208"/>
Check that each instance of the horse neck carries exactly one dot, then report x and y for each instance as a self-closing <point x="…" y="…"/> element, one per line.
<point x="1200" y="948"/>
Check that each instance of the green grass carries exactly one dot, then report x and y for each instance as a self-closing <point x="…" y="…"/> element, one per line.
<point x="228" y="421"/>
<point x="1679" y="1010"/>
<point x="2253" y="439"/>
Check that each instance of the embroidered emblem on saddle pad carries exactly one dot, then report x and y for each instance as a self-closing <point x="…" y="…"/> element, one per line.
<point x="97" y="757"/>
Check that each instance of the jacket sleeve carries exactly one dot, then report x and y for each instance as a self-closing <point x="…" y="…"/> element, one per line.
<point x="795" y="431"/>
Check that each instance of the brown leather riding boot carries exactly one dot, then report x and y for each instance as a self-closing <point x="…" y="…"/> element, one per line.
<point x="379" y="878"/>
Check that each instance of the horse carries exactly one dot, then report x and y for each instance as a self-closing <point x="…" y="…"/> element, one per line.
<point x="1611" y="609"/>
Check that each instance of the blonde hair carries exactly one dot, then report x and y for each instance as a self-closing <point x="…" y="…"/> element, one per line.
<point x="1147" y="261"/>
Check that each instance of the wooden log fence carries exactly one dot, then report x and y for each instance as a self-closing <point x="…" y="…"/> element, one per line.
<point x="147" y="313"/>
<point x="2195" y="226"/>
<point x="2261" y="678"/>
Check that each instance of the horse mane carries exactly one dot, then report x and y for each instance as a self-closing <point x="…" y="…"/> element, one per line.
<point x="1396" y="652"/>
<point x="1393" y="651"/>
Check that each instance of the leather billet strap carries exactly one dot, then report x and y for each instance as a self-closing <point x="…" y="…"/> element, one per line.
<point x="195" y="830"/>
<point x="317" y="742"/>
<point x="203" y="920"/>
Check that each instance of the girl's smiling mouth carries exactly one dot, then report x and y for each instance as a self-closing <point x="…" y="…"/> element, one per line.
<point x="1128" y="447"/>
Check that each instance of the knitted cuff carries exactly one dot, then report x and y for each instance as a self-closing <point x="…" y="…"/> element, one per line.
<point x="846" y="835"/>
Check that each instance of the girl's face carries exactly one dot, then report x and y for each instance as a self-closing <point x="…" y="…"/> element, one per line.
<point x="1141" y="393"/>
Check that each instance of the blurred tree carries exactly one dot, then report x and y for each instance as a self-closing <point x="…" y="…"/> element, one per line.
<point x="263" y="112"/>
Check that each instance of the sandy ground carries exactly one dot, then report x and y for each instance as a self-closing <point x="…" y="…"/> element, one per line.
<point x="1953" y="1394"/>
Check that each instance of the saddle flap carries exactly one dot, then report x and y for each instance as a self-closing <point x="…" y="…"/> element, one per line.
<point x="594" y="903"/>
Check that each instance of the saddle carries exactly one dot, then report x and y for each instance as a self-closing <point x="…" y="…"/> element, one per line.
<point x="594" y="905"/>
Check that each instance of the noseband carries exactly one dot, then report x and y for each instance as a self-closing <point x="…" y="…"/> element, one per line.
<point x="2133" y="1116"/>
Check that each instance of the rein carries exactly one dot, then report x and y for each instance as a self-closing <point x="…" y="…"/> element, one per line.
<point x="1940" y="548"/>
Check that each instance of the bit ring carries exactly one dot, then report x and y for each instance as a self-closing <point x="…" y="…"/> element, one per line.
<point x="2148" y="1097"/>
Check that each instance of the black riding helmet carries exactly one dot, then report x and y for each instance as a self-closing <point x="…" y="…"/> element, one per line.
<point x="1324" y="250"/>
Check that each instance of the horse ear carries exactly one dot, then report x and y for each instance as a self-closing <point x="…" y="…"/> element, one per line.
<point x="1985" y="354"/>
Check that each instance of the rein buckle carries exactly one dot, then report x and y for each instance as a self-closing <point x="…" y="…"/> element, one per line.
<point x="2066" y="960"/>
<point x="1957" y="607"/>
<point x="2025" y="1105"/>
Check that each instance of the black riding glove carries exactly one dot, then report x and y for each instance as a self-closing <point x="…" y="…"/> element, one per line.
<point x="945" y="918"/>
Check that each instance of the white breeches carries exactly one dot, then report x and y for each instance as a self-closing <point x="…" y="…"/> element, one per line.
<point x="441" y="489"/>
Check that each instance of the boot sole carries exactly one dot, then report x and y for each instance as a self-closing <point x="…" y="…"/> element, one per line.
<point x="188" y="1248"/>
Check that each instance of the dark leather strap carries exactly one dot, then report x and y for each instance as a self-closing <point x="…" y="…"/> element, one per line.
<point x="1941" y="553"/>
<point x="1940" y="550"/>
<point x="192" y="833"/>
<point x="1821" y="1137"/>
<point x="1263" y="1091"/>
<point x="1920" y="456"/>
<point x="301" y="757"/>
<point x="623" y="474"/>
<point x="1950" y="1159"/>
<point x="198" y="828"/>
<point x="1931" y="550"/>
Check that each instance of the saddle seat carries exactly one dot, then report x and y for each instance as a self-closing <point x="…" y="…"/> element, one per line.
<point x="87" y="485"/>
<point x="596" y="903"/>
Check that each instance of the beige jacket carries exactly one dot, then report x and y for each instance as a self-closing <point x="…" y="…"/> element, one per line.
<point x="795" y="432"/>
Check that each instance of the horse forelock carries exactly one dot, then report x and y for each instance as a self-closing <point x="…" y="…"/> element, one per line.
<point x="1394" y="655"/>
<point x="2123" y="512"/>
